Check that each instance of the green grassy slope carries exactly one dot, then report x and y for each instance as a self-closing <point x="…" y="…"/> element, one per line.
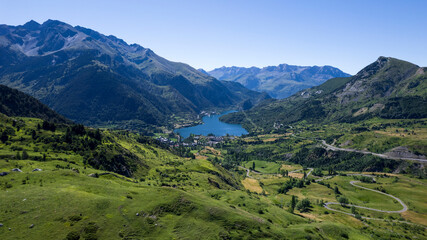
<point x="164" y="196"/>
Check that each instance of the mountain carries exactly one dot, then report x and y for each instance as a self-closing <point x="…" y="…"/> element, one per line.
<point x="14" y="103"/>
<point x="101" y="80"/>
<point x="278" y="81"/>
<point x="387" y="88"/>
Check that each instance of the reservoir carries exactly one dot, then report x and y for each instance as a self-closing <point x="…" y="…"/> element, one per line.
<point x="212" y="124"/>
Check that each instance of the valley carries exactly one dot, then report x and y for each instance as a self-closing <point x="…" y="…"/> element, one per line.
<point x="102" y="139"/>
<point x="72" y="196"/>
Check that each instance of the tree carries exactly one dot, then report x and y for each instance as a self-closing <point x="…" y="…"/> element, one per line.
<point x="331" y="171"/>
<point x="294" y="201"/>
<point x="343" y="200"/>
<point x="293" y="204"/>
<point x="48" y="126"/>
<point x="304" y="205"/>
<point x="4" y="137"/>
<point x="253" y="165"/>
<point x="300" y="183"/>
<point x="34" y="134"/>
<point x="24" y="155"/>
<point x="18" y="156"/>
<point x="358" y="216"/>
<point x="336" y="190"/>
<point x="353" y="210"/>
<point x="317" y="172"/>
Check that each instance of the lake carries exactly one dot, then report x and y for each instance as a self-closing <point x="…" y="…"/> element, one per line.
<point x="212" y="124"/>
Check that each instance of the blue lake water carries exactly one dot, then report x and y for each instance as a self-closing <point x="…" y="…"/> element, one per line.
<point x="212" y="124"/>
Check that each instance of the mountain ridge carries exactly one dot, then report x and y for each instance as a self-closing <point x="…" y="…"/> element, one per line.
<point x="14" y="103"/>
<point x="279" y="81"/>
<point x="96" y="79"/>
<point x="386" y="88"/>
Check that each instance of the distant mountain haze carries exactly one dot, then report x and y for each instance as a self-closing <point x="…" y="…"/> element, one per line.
<point x="92" y="78"/>
<point x="278" y="81"/>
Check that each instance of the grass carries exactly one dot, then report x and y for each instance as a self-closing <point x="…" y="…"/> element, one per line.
<point x="252" y="185"/>
<point x="263" y="166"/>
<point x="170" y="197"/>
<point x="363" y="197"/>
<point x="52" y="197"/>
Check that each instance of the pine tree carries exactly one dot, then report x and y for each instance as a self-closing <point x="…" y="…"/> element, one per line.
<point x="24" y="155"/>
<point x="4" y="137"/>
<point x="34" y="134"/>
<point x="336" y="190"/>
<point x="293" y="204"/>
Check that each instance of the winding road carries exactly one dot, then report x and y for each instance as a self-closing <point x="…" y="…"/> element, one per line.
<point x="404" y="209"/>
<point x="353" y="183"/>
<point x="333" y="148"/>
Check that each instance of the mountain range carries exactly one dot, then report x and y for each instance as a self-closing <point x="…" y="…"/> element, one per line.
<point x="96" y="79"/>
<point x="387" y="88"/>
<point x="278" y="81"/>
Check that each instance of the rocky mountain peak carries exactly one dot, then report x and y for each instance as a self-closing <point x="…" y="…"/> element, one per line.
<point x="372" y="68"/>
<point x="32" y="25"/>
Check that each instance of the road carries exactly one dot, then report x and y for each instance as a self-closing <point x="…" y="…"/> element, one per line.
<point x="299" y="170"/>
<point x="248" y="171"/>
<point x="404" y="209"/>
<point x="333" y="148"/>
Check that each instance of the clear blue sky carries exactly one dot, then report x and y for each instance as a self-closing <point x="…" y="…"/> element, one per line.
<point x="348" y="34"/>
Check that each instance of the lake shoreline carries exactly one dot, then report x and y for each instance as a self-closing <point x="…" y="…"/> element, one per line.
<point x="212" y="125"/>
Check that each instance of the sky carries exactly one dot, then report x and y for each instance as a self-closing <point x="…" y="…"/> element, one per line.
<point x="348" y="34"/>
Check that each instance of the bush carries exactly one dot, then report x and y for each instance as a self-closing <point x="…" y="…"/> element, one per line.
<point x="317" y="172"/>
<point x="73" y="236"/>
<point x="343" y="200"/>
<point x="90" y="231"/>
<point x="75" y="218"/>
<point x="303" y="205"/>
<point x="365" y="179"/>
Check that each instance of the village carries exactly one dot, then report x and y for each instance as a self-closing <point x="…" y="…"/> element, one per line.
<point x="195" y="140"/>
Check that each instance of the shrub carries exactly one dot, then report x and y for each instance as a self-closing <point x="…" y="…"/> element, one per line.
<point x="73" y="236"/>
<point x="303" y="205"/>
<point x="90" y="231"/>
<point x="75" y="218"/>
<point x="343" y="200"/>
